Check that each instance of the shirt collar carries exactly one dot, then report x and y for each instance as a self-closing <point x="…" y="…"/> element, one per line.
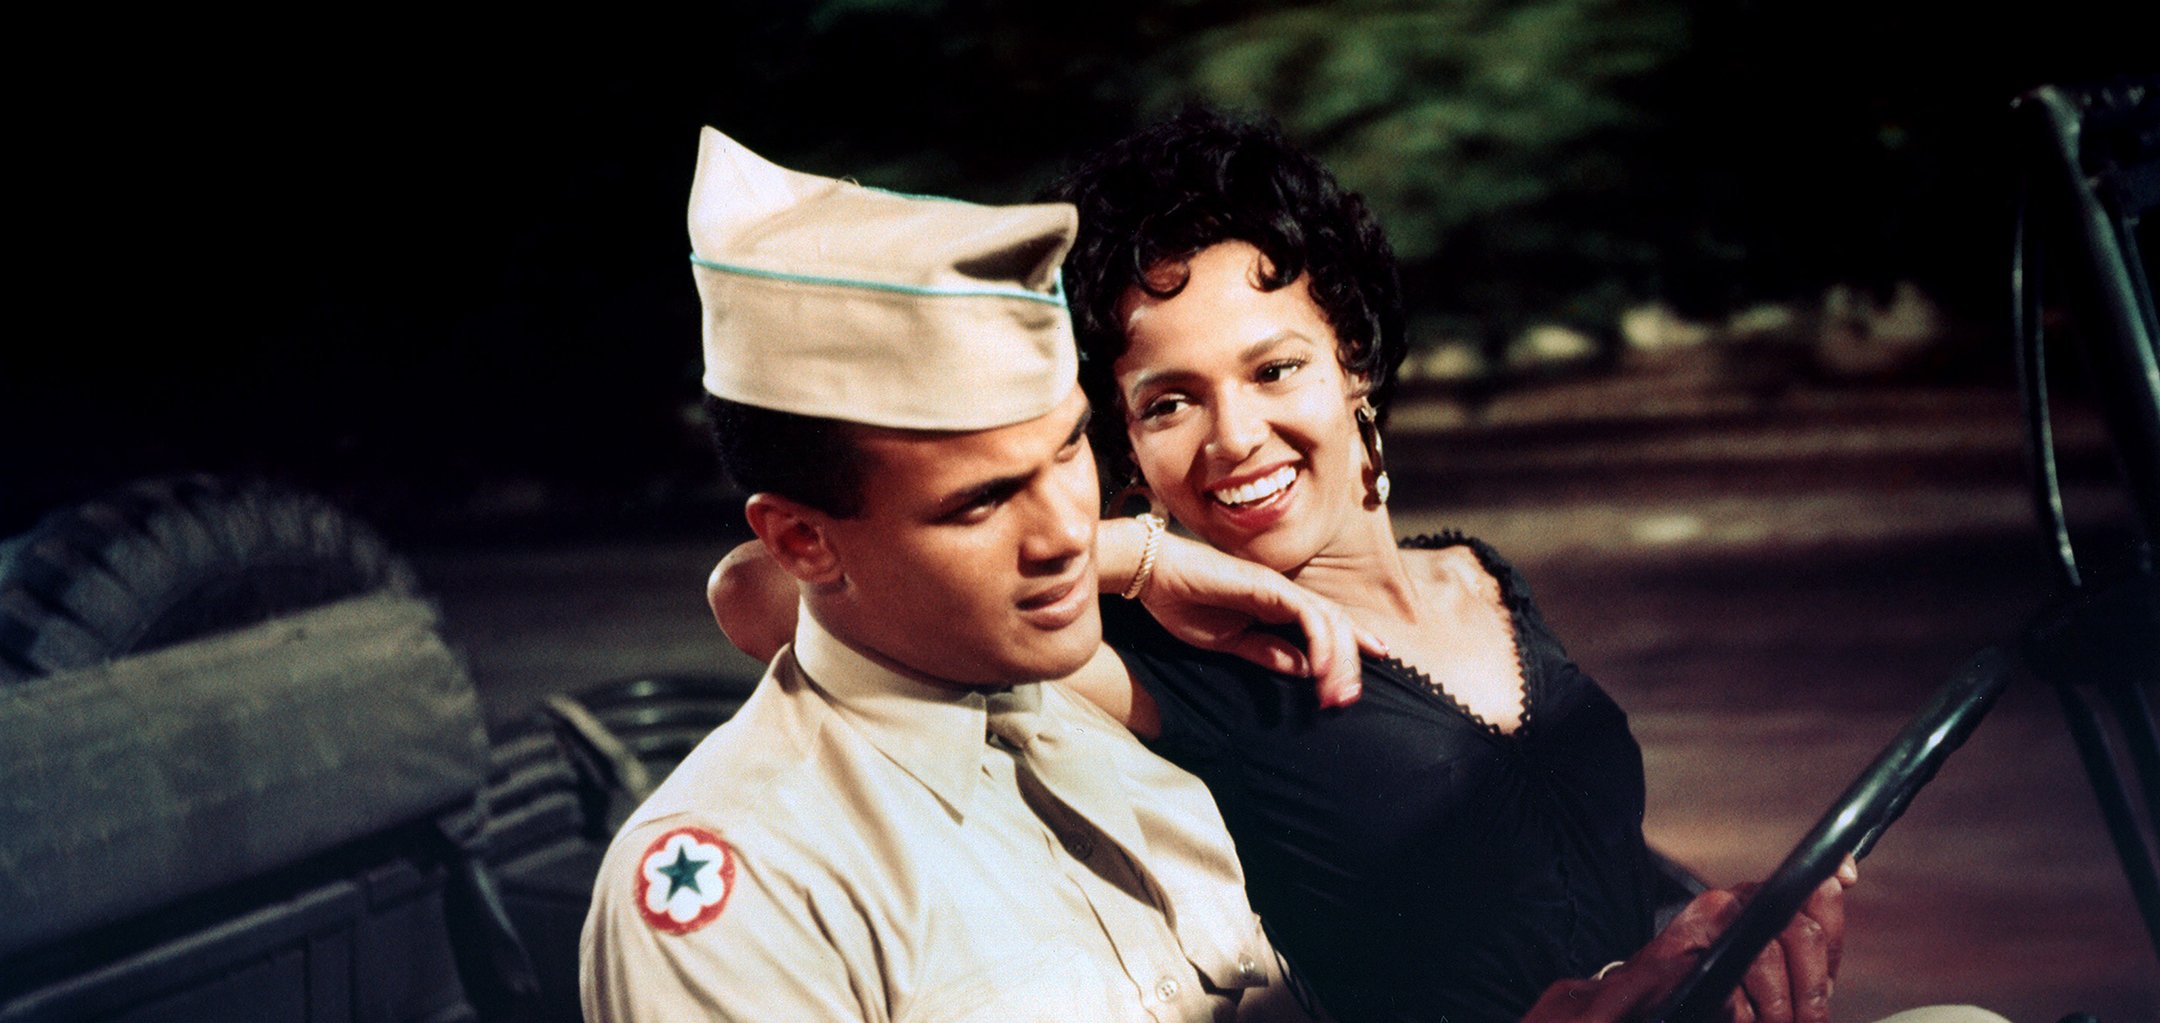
<point x="935" y="733"/>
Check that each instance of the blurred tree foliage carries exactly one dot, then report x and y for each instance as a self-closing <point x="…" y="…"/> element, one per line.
<point x="1500" y="142"/>
<point x="1447" y="114"/>
<point x="1532" y="159"/>
<point x="1504" y="144"/>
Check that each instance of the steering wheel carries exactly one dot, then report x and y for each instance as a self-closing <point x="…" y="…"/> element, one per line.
<point x="1852" y="825"/>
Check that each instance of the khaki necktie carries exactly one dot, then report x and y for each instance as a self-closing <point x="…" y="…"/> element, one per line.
<point x="1053" y="756"/>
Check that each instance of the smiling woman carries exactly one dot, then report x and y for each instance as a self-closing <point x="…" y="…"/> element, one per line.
<point x="1469" y="832"/>
<point x="1256" y="426"/>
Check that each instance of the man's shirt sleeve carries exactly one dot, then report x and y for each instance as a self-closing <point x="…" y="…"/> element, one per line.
<point x="690" y="923"/>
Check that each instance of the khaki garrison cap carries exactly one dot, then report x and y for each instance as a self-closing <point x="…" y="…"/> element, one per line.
<point x="826" y="298"/>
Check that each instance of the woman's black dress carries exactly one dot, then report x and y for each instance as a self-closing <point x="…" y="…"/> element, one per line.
<point x="1411" y="861"/>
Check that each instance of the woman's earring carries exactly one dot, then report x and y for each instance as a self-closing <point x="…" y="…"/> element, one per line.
<point x="1369" y="430"/>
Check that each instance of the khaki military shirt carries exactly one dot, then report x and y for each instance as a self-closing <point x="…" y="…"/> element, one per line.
<point x="851" y="846"/>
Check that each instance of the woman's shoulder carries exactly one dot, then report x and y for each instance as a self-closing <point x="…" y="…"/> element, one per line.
<point x="1473" y="563"/>
<point x="1450" y="540"/>
<point x="1469" y="560"/>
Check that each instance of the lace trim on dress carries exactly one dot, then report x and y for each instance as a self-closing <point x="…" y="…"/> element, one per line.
<point x="1519" y="609"/>
<point x="1510" y="602"/>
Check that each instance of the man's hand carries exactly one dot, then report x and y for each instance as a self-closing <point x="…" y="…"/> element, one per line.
<point x="1218" y="602"/>
<point x="1789" y="982"/>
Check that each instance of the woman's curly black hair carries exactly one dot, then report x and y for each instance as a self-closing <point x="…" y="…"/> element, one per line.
<point x="1173" y="189"/>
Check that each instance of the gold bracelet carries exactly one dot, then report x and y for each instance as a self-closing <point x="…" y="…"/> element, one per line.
<point x="1146" y="571"/>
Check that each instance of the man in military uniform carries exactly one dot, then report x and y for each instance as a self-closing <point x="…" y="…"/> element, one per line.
<point x="903" y="822"/>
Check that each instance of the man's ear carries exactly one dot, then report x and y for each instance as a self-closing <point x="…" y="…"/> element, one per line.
<point x="796" y="535"/>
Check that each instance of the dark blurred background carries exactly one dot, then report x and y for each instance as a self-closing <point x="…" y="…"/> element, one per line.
<point x="440" y="272"/>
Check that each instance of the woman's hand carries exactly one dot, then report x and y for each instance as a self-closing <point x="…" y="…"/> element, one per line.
<point x="1789" y="982"/>
<point x="1624" y="992"/>
<point x="1218" y="602"/>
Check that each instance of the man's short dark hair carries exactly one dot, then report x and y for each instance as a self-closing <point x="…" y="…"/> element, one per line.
<point x="806" y="459"/>
<point x="1198" y="179"/>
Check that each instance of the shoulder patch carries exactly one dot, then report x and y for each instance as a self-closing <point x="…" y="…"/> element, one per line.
<point x="684" y="879"/>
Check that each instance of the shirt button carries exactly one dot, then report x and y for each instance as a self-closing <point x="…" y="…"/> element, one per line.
<point x="1246" y="967"/>
<point x="1166" y="988"/>
<point x="1080" y="846"/>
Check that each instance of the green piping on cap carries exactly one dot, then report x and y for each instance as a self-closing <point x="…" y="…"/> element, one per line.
<point x="1056" y="296"/>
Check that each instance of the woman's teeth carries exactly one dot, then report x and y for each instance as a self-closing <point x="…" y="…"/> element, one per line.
<point x="1265" y="487"/>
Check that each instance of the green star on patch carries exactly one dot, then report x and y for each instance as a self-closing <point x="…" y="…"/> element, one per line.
<point x="683" y="872"/>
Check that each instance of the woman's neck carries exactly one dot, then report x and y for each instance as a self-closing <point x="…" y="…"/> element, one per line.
<point x="1363" y="570"/>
